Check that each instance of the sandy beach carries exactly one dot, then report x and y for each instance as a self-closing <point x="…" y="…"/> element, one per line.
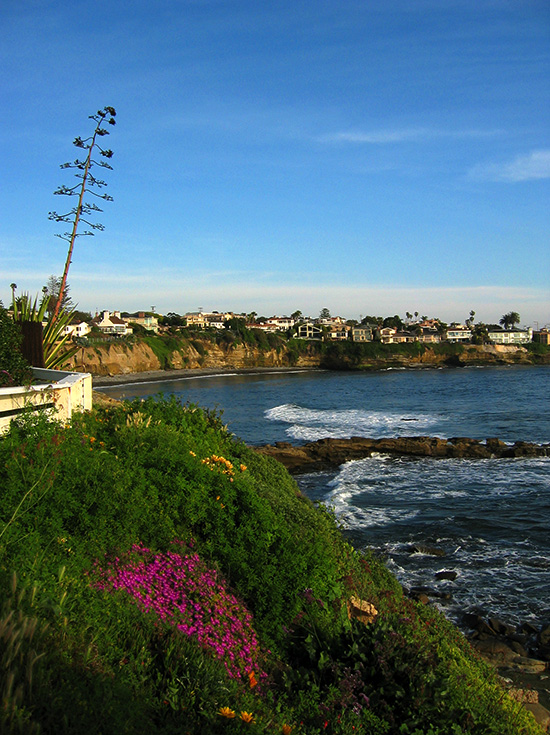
<point x="158" y="376"/>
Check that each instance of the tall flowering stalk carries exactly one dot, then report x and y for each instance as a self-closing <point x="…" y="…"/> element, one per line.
<point x="183" y="592"/>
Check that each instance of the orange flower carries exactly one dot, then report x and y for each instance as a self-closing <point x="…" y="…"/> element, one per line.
<point x="243" y="467"/>
<point x="286" y="730"/>
<point x="252" y="680"/>
<point x="247" y="717"/>
<point x="226" y="712"/>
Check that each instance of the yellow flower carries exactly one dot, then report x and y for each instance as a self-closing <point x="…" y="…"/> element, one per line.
<point x="226" y="712"/>
<point x="247" y="717"/>
<point x="243" y="467"/>
<point x="192" y="453"/>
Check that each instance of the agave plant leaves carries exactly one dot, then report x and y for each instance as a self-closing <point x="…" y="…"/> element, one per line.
<point x="57" y="352"/>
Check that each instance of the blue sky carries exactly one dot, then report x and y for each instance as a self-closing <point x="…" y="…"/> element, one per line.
<point x="371" y="157"/>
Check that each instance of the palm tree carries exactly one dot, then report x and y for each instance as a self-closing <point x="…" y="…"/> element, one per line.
<point x="509" y="320"/>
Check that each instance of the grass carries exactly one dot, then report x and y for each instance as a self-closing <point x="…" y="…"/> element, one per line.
<point x="159" y="576"/>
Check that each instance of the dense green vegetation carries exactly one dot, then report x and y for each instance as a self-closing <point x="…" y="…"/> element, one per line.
<point x="158" y="576"/>
<point x="14" y="370"/>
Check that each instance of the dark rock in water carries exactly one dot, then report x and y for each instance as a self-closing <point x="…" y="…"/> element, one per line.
<point x="423" y="549"/>
<point x="430" y="592"/>
<point x="326" y="453"/>
<point x="477" y="623"/>
<point x="523" y="449"/>
<point x="518" y="638"/>
<point x="500" y="627"/>
<point x="518" y="648"/>
<point x="495" y="446"/>
<point x="529" y="629"/>
<point x="446" y="574"/>
<point x="421" y="597"/>
<point x="498" y="652"/>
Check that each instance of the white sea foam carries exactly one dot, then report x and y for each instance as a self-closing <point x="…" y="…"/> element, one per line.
<point x="310" y="424"/>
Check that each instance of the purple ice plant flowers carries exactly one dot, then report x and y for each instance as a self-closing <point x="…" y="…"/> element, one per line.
<point x="182" y="591"/>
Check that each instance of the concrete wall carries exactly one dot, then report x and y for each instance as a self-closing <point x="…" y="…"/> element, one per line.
<point x="57" y="392"/>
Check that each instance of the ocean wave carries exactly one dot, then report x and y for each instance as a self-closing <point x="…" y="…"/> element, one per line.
<point x="311" y="424"/>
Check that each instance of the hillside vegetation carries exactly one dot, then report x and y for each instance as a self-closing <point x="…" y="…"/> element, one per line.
<point x="160" y="577"/>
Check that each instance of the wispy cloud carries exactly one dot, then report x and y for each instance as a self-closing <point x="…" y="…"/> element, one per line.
<point x="534" y="165"/>
<point x="405" y="135"/>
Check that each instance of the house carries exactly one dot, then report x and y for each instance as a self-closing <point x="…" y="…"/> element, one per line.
<point x="210" y="319"/>
<point x="361" y="333"/>
<point x="215" y="320"/>
<point x="458" y="333"/>
<point x="403" y="337"/>
<point x="429" y="324"/>
<point x="195" y="319"/>
<point x="510" y="336"/>
<point x="112" y="323"/>
<point x="330" y="321"/>
<point x="264" y="326"/>
<point x="149" y="322"/>
<point x="308" y="330"/>
<point x="339" y="333"/>
<point x="429" y="336"/>
<point x="386" y="334"/>
<point x="542" y="336"/>
<point x="77" y="328"/>
<point x="281" y="323"/>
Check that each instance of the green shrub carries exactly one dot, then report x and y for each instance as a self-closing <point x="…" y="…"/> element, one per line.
<point x="148" y="473"/>
<point x="14" y="369"/>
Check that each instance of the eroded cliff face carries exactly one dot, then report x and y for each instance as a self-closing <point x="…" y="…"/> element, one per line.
<point x="117" y="358"/>
<point x="478" y="355"/>
<point x="120" y="359"/>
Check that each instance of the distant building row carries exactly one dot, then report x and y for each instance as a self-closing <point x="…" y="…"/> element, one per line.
<point x="329" y="328"/>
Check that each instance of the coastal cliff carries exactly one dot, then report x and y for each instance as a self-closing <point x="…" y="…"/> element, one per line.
<point x="172" y="353"/>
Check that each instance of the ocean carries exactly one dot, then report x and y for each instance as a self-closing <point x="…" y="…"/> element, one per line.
<point x="488" y="520"/>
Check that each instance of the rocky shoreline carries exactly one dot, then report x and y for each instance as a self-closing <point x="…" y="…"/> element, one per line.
<point x="328" y="453"/>
<point x="520" y="654"/>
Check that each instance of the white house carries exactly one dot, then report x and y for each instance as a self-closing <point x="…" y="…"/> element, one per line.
<point x="111" y="323"/>
<point x="77" y="329"/>
<point x="280" y="323"/>
<point x="511" y="336"/>
<point x="458" y="333"/>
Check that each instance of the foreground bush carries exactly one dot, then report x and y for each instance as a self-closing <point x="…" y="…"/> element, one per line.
<point x="159" y="576"/>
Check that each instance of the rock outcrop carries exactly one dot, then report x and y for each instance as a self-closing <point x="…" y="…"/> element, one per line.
<point x="326" y="453"/>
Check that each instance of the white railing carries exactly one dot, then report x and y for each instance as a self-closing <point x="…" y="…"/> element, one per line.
<point x="56" y="392"/>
